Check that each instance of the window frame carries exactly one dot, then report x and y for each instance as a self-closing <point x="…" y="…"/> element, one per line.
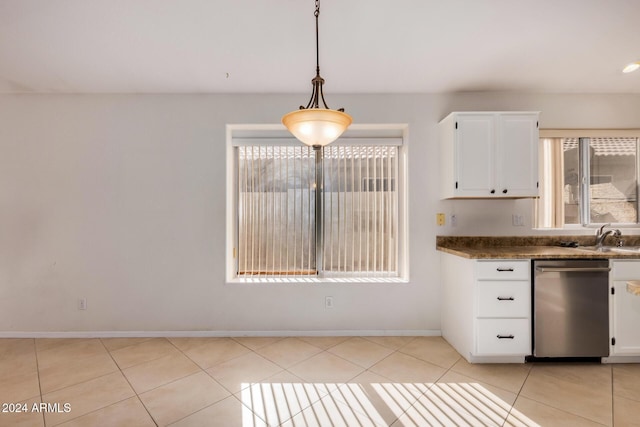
<point x="368" y="134"/>
<point x="591" y="133"/>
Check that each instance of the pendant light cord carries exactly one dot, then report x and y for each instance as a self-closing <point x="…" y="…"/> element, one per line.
<point x="316" y="14"/>
<point x="317" y="94"/>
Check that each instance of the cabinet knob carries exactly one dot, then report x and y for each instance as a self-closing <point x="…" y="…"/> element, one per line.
<point x="504" y="191"/>
<point x="493" y="191"/>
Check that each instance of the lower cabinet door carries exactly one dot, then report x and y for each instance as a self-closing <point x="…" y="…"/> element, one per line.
<point x="503" y="337"/>
<point x="625" y="321"/>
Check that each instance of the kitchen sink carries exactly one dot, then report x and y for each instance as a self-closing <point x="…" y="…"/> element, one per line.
<point x="617" y="249"/>
<point x="626" y="249"/>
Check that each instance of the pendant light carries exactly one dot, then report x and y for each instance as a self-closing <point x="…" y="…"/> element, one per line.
<point x="313" y="125"/>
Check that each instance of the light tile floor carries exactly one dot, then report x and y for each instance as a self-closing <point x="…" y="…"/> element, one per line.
<point x="304" y="381"/>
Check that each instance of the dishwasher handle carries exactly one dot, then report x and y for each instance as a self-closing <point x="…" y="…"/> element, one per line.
<point x="568" y="269"/>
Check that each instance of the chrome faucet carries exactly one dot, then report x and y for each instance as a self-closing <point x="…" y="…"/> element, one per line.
<point x="601" y="235"/>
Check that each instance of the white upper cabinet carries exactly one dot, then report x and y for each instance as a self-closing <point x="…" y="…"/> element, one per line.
<point x="489" y="154"/>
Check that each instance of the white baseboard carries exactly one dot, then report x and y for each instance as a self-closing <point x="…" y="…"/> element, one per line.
<point x="621" y="359"/>
<point x="131" y="334"/>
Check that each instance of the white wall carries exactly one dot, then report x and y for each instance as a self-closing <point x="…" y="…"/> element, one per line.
<point x="120" y="199"/>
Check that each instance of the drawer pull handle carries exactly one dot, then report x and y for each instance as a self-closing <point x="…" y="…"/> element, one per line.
<point x="505" y="337"/>
<point x="504" y="269"/>
<point x="506" y="298"/>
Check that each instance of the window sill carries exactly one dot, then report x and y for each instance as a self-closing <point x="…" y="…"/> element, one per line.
<point x="316" y="280"/>
<point x="589" y="228"/>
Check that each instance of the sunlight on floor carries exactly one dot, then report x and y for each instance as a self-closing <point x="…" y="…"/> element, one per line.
<point x="417" y="404"/>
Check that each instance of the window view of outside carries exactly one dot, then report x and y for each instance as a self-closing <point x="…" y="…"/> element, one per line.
<point x="612" y="165"/>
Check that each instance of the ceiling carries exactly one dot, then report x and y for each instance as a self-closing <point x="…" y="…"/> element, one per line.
<point x="366" y="46"/>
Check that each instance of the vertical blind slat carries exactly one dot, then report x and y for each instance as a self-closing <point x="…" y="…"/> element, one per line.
<point x="244" y="212"/>
<point x="286" y="211"/>
<point x="396" y="203"/>
<point x="274" y="196"/>
<point x="339" y="211"/>
<point x="360" y="219"/>
<point x="280" y="198"/>
<point x="368" y="234"/>
<point x="344" y="204"/>
<point x="295" y="221"/>
<point x="353" y="212"/>
<point x="389" y="215"/>
<point x="261" y="211"/>
<point x="374" y="212"/>
<point x="253" y="213"/>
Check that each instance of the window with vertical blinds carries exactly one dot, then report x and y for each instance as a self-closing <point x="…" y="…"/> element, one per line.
<point x="357" y="209"/>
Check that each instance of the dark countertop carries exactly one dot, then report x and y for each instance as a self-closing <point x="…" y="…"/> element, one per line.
<point x="530" y="247"/>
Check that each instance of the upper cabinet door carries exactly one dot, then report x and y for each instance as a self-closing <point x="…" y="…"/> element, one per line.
<point x="489" y="155"/>
<point x="517" y="154"/>
<point x="474" y="156"/>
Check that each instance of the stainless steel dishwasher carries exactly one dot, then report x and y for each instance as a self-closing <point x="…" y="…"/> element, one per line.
<point x="571" y="308"/>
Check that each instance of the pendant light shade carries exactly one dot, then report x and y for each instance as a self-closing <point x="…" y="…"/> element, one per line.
<point x="317" y="126"/>
<point x="313" y="125"/>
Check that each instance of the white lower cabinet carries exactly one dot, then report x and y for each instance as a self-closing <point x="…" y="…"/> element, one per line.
<point x="487" y="308"/>
<point x="503" y="337"/>
<point x="624" y="309"/>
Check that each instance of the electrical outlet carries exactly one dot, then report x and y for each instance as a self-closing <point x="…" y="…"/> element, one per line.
<point x="453" y="220"/>
<point x="440" y="219"/>
<point x="328" y="302"/>
<point x="517" y="220"/>
<point x="82" y="303"/>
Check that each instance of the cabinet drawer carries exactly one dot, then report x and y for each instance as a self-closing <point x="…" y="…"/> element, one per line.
<point x="503" y="337"/>
<point x="625" y="270"/>
<point x="503" y="270"/>
<point x="504" y="299"/>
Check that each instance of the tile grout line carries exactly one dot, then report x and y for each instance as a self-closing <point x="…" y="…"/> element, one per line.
<point x="146" y="361"/>
<point x="447" y="370"/>
<point x="231" y="394"/>
<point x="130" y="385"/>
<point x="35" y="351"/>
<point x="555" y="407"/>
<point x="324" y="350"/>
<point x="73" y="385"/>
<point x="421" y="394"/>
<point x="170" y="382"/>
<point x="613" y="412"/>
<point x="207" y="373"/>
<point x="311" y="403"/>
<point x="398" y="351"/>
<point x="518" y="394"/>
